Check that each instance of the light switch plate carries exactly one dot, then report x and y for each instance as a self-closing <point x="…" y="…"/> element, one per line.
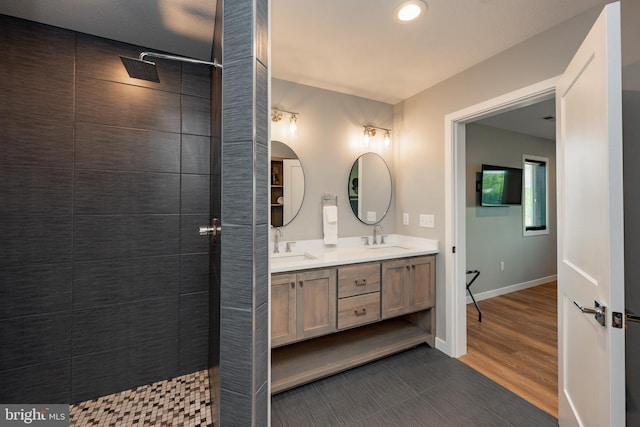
<point x="371" y="216"/>
<point x="427" y="221"/>
<point x="405" y="219"/>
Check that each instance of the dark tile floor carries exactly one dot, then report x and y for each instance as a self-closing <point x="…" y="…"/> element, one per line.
<point x="419" y="387"/>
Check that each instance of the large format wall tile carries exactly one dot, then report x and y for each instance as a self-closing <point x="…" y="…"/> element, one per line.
<point x="194" y="351"/>
<point x="194" y="312"/>
<point x="35" y="339"/>
<point x="195" y="154"/>
<point x="35" y="289"/>
<point x="48" y="382"/>
<point x="35" y="239"/>
<point x="124" y="325"/>
<point x="108" y="237"/>
<point x="115" y="370"/>
<point x="194" y="197"/>
<point x="90" y="259"/>
<point x="196" y="115"/>
<point x="114" y="148"/>
<point x="23" y="144"/>
<point x="194" y="273"/>
<point x="117" y="104"/>
<point x="196" y="80"/>
<point x="97" y="283"/>
<point x="35" y="191"/>
<point x="117" y="193"/>
<point x="27" y="91"/>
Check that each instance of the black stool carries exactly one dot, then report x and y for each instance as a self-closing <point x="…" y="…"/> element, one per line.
<point x="475" y="273"/>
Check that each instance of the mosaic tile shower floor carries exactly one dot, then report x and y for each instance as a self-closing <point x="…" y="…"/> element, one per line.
<point x="181" y="401"/>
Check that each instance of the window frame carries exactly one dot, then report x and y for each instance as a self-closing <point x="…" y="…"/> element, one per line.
<point x="526" y="158"/>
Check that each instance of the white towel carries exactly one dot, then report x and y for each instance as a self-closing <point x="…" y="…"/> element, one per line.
<point x="330" y="224"/>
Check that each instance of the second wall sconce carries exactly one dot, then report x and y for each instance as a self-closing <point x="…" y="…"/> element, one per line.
<point x="277" y="114"/>
<point x="370" y="131"/>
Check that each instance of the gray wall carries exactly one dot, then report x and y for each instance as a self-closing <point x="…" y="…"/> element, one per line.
<point x="104" y="280"/>
<point x="419" y="125"/>
<point x="494" y="234"/>
<point x="327" y="144"/>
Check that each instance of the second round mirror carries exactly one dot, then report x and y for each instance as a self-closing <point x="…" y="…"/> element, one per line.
<point x="369" y="188"/>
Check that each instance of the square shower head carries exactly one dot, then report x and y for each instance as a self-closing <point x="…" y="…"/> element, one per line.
<point x="140" y="69"/>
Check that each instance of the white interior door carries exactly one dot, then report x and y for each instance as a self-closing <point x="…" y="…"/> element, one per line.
<point x="590" y="229"/>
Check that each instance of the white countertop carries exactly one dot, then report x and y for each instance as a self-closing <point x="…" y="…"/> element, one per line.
<point x="307" y="254"/>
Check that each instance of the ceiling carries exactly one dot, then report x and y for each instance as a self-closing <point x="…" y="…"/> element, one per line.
<point x="535" y="120"/>
<point x="350" y="46"/>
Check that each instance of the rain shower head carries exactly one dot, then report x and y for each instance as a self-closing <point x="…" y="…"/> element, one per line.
<point x="139" y="68"/>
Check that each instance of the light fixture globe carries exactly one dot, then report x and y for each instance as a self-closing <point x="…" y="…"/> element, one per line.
<point x="410" y="10"/>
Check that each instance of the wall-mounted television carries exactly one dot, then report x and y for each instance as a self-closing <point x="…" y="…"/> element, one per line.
<point x="500" y="186"/>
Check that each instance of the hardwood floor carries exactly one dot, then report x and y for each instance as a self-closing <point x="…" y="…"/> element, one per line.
<point x="516" y="344"/>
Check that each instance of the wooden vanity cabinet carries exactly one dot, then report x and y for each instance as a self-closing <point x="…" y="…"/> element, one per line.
<point x="358" y="295"/>
<point x="303" y="305"/>
<point x="355" y="313"/>
<point x="407" y="285"/>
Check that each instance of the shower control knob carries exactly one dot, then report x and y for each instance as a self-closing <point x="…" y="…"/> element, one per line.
<point x="214" y="230"/>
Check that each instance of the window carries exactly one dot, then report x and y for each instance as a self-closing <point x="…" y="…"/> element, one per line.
<point x="534" y="206"/>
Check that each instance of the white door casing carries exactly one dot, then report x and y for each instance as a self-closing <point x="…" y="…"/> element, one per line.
<point x="590" y="229"/>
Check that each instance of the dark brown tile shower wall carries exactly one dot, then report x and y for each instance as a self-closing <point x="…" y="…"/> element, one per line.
<point x="105" y="180"/>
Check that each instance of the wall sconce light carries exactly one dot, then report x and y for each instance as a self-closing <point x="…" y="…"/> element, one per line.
<point x="370" y="131"/>
<point x="277" y="115"/>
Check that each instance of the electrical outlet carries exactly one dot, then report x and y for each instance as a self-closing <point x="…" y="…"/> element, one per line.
<point x="405" y="219"/>
<point x="427" y="221"/>
<point x="371" y="216"/>
<point x="501" y="265"/>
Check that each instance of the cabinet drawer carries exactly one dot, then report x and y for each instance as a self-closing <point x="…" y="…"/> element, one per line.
<point x="358" y="310"/>
<point x="358" y="279"/>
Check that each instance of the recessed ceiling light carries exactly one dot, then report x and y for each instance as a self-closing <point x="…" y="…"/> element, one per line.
<point x="410" y="10"/>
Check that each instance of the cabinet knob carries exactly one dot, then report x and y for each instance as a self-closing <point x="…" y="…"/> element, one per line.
<point x="293" y="284"/>
<point x="301" y="283"/>
<point x="361" y="312"/>
<point x="408" y="267"/>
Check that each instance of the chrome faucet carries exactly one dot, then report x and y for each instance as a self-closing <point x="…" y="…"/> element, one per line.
<point x="277" y="233"/>
<point x="375" y="234"/>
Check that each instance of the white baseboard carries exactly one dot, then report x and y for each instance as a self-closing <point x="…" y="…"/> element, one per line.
<point x="443" y="346"/>
<point x="508" y="289"/>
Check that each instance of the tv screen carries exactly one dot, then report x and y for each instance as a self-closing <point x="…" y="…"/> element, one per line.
<point x="501" y="186"/>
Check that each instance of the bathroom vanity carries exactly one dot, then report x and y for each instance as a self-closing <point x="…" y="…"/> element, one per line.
<point x="336" y="308"/>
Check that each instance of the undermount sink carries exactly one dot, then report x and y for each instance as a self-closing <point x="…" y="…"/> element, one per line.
<point x="291" y="257"/>
<point x="378" y="247"/>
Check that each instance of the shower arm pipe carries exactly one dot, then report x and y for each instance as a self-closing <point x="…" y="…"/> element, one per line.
<point x="215" y="62"/>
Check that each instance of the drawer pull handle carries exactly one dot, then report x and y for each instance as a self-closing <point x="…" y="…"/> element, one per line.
<point x="293" y="284"/>
<point x="361" y="283"/>
<point x="301" y="283"/>
<point x="361" y="312"/>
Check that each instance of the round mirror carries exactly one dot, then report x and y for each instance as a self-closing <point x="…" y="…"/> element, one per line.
<point x="370" y="188"/>
<point x="287" y="184"/>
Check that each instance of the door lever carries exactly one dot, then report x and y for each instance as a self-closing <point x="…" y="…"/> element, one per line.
<point x="599" y="312"/>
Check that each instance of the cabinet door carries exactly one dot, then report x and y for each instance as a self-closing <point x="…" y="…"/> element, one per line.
<point x="396" y="289"/>
<point x="316" y="303"/>
<point x="423" y="282"/>
<point x="283" y="309"/>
